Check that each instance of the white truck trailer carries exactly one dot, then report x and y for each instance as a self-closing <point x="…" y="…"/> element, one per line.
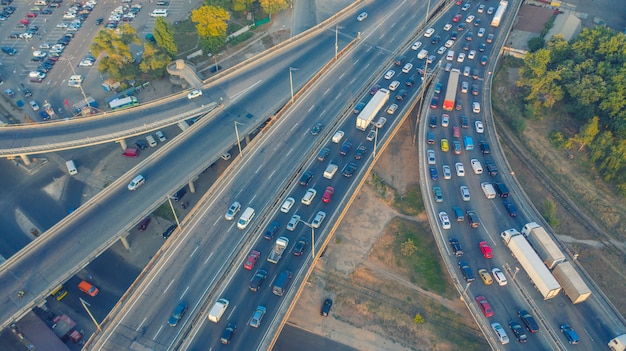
<point x="618" y="343"/>
<point x="573" y="285"/>
<point x="370" y="110"/>
<point x="497" y="17"/>
<point x="532" y="264"/>
<point x="280" y="246"/>
<point x="543" y="243"/>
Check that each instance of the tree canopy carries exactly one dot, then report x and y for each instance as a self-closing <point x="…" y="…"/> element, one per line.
<point x="117" y="58"/>
<point x="588" y="76"/>
<point x="164" y="36"/>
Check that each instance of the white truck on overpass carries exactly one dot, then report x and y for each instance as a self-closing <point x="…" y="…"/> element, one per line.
<point x="280" y="246"/>
<point x="497" y="17"/>
<point x="547" y="248"/>
<point x="370" y="110"/>
<point x="538" y="273"/>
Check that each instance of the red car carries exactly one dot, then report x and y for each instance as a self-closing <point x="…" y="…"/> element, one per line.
<point x="251" y="260"/>
<point x="31" y="15"/>
<point x="328" y="194"/>
<point x="485" y="249"/>
<point x="457" y="18"/>
<point x="484" y="306"/>
<point x="143" y="225"/>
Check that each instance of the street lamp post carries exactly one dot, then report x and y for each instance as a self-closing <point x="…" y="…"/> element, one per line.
<point x="173" y="211"/>
<point x="466" y="287"/>
<point x="85" y="306"/>
<point x="291" y="81"/>
<point x="312" y="238"/>
<point x="80" y="85"/>
<point x="238" y="141"/>
<point x="375" y="140"/>
<point x="337" y="40"/>
<point x="515" y="273"/>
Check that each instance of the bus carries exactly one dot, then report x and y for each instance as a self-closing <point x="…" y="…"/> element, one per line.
<point x="126" y="102"/>
<point x="453" y="83"/>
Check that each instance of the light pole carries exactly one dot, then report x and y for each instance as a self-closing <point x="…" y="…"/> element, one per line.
<point x="85" y="306"/>
<point x="515" y="273"/>
<point x="237" y="135"/>
<point x="312" y="238"/>
<point x="466" y="287"/>
<point x="80" y="85"/>
<point x="375" y="140"/>
<point x="173" y="211"/>
<point x="291" y="81"/>
<point x="337" y="27"/>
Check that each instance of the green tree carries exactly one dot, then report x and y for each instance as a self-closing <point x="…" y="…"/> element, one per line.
<point x="536" y="43"/>
<point x="117" y="61"/>
<point x="164" y="36"/>
<point x="587" y="133"/>
<point x="273" y="6"/>
<point x="408" y="247"/>
<point x="242" y="5"/>
<point x="211" y="21"/>
<point x="154" y="61"/>
<point x="418" y="319"/>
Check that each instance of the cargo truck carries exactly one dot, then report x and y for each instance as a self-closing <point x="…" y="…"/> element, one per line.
<point x="128" y="101"/>
<point x="542" y="242"/>
<point x="218" y="310"/>
<point x="453" y="83"/>
<point x="468" y="142"/>
<point x="538" y="273"/>
<point x="497" y="17"/>
<point x="280" y="246"/>
<point x="370" y="110"/>
<point x="573" y="285"/>
<point x="618" y="343"/>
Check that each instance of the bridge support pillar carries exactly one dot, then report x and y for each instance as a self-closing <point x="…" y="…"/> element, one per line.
<point x="25" y="159"/>
<point x="192" y="187"/>
<point x="125" y="243"/>
<point x="247" y="139"/>
<point x="123" y="143"/>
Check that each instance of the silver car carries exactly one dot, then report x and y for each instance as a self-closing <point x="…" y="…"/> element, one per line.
<point x="232" y="211"/>
<point x="257" y="316"/>
<point x="293" y="223"/>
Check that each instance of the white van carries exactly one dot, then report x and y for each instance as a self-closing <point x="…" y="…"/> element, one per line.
<point x="476" y="166"/>
<point x="245" y="218"/>
<point x="488" y="189"/>
<point x="41" y="3"/>
<point x="218" y="310"/>
<point x="159" y="13"/>
<point x="450" y="55"/>
<point x="136" y="182"/>
<point x="330" y="171"/>
<point x="422" y="54"/>
<point x="71" y="167"/>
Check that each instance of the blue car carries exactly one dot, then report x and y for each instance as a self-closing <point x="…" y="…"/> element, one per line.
<point x="570" y="334"/>
<point x="433" y="173"/>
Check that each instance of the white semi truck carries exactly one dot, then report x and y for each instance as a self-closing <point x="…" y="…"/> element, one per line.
<point x="543" y="243"/>
<point x="573" y="284"/>
<point x="370" y="110"/>
<point x="497" y="17"/>
<point x="538" y="273"/>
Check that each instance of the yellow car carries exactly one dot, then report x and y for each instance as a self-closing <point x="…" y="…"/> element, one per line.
<point x="444" y="145"/>
<point x="485" y="276"/>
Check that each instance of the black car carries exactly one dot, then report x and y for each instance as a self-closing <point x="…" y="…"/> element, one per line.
<point x="37" y="59"/>
<point x="44" y="68"/>
<point x="492" y="169"/>
<point x="433" y="122"/>
<point x="466" y="46"/>
<point x="14" y="35"/>
<point x="435" y="39"/>
<point x="400" y="60"/>
<point x="456" y="247"/>
<point x="306" y="178"/>
<point x="484" y="147"/>
<point x="349" y="169"/>
<point x="482" y="47"/>
<point x="411" y="81"/>
<point x="271" y="230"/>
<point x="529" y="321"/>
<point x="454" y="35"/>
<point x="228" y="333"/>
<point x="467" y="271"/>
<point x="141" y="144"/>
<point x="27" y="92"/>
<point x="321" y="156"/>
<point x="475" y="90"/>
<point x="46" y="12"/>
<point x="179" y="194"/>
<point x="518" y="331"/>
<point x="178" y="313"/>
<point x="169" y="231"/>
<point x="469" y="36"/>
<point x="401" y="95"/>
<point x="299" y="247"/>
<point x="360" y="151"/>
<point x="328" y="303"/>
<point x="510" y="207"/>
<point x="317" y="128"/>
<point x="464" y="122"/>
<point x="257" y="280"/>
<point x="345" y="148"/>
<point x="99" y="21"/>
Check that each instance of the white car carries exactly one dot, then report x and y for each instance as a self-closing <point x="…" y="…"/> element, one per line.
<point x="308" y="197"/>
<point x="338" y="136"/>
<point x="37" y="74"/>
<point x="62" y="25"/>
<point x="361" y="17"/>
<point x="465" y="194"/>
<point x="33" y="104"/>
<point x="287" y="204"/>
<point x="490" y="10"/>
<point x="160" y="136"/>
<point x="471" y="55"/>
<point x="449" y="43"/>
<point x="293" y="223"/>
<point x="39" y="53"/>
<point x="460" y="170"/>
<point x="481" y="32"/>
<point x="445" y="120"/>
<point x="466" y="71"/>
<point x="392" y="109"/>
<point x="466" y="7"/>
<point x="500" y="333"/>
<point x="136" y="182"/>
<point x="232" y="211"/>
<point x="499" y="276"/>
<point x="445" y="220"/>
<point x="447" y="173"/>
<point x="469" y="18"/>
<point x="479" y="127"/>
<point x="319" y="218"/>
<point x="257" y="316"/>
<point x="461" y="57"/>
<point x="431" y="157"/>
<point x="194" y="94"/>
<point x="441" y="50"/>
<point x="447" y="27"/>
<point x="476" y="107"/>
<point x="394" y="85"/>
<point x="481" y="8"/>
<point x="390" y="74"/>
<point x="86" y="63"/>
<point x="429" y="32"/>
<point x="407" y="68"/>
<point x="416" y="45"/>
<point x="478" y="168"/>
